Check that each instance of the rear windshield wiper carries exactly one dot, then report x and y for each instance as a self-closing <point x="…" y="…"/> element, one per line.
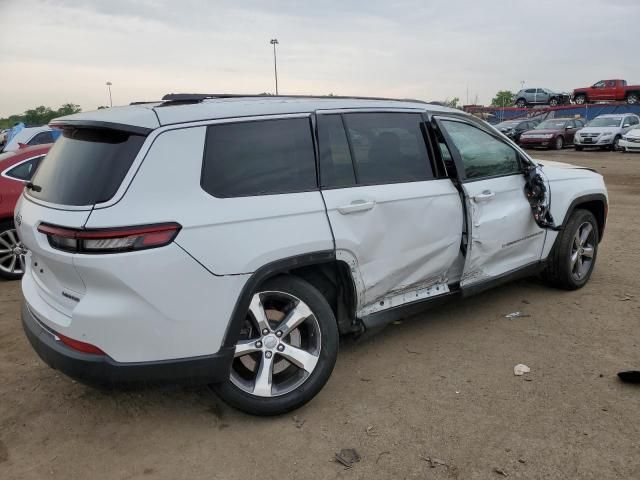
<point x="32" y="186"/>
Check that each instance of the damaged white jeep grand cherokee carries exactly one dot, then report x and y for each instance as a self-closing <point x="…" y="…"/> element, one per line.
<point x="230" y="240"/>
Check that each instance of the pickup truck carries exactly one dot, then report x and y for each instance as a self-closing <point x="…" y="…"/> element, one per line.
<point x="608" y="90"/>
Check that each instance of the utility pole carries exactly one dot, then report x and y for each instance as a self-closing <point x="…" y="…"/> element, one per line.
<point x="274" y="42"/>
<point x="110" y="99"/>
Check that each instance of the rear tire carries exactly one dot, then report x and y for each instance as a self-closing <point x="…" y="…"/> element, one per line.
<point x="11" y="262"/>
<point x="633" y="98"/>
<point x="521" y="103"/>
<point x="265" y="378"/>
<point x="580" y="99"/>
<point x="573" y="257"/>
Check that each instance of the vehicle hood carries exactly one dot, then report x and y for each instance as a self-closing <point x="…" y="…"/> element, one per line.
<point x="635" y="133"/>
<point x="541" y="131"/>
<point x="599" y="129"/>
<point x="561" y="171"/>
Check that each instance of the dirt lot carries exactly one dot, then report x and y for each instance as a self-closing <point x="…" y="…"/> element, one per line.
<point x="438" y="386"/>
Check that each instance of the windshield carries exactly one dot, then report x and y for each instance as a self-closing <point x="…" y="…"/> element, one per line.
<point x="85" y="166"/>
<point x="551" y="125"/>
<point x="605" y="122"/>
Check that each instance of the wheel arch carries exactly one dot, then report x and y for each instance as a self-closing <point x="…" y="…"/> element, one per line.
<point x="595" y="203"/>
<point x="331" y="276"/>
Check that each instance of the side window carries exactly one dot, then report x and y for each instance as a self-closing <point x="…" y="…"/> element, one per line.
<point x="634" y="120"/>
<point x="482" y="155"/>
<point x="25" y="170"/>
<point x="599" y="84"/>
<point x="336" y="167"/>
<point x="388" y="147"/>
<point x="611" y="83"/>
<point x="530" y="90"/>
<point x="41" y="138"/>
<point x="257" y="158"/>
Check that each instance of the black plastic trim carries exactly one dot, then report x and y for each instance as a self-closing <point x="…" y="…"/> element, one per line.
<point x="279" y="266"/>
<point x="594" y="197"/>
<point x="102" y="370"/>
<point x="121" y="127"/>
<point x="525" y="271"/>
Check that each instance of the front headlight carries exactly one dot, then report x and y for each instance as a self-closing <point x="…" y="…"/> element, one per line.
<point x="607" y="133"/>
<point x="547" y="135"/>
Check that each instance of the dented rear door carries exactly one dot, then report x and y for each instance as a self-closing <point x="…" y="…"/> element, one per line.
<point x="502" y="234"/>
<point x="394" y="222"/>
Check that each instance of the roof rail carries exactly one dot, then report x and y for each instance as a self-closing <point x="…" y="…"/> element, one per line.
<point x="183" y="98"/>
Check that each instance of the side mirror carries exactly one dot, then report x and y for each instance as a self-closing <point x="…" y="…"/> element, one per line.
<point x="626" y="125"/>
<point x="569" y="127"/>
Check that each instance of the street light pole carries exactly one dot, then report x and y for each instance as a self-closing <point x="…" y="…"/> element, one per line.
<point x="274" y="42"/>
<point x="110" y="99"/>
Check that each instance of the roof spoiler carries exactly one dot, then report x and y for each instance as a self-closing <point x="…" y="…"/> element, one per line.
<point x="96" y="124"/>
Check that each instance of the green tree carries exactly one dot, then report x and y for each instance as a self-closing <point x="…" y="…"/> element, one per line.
<point x="68" y="109"/>
<point x="453" y="103"/>
<point x="504" y="98"/>
<point x="39" y="115"/>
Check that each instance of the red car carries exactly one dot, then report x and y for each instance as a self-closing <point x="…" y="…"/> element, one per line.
<point x="15" y="169"/>
<point x="554" y="133"/>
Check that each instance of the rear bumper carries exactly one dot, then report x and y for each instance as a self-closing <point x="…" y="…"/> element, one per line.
<point x="103" y="370"/>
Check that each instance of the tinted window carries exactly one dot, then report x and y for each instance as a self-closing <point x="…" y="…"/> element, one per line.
<point x="257" y="158"/>
<point x="634" y="120"/>
<point x="24" y="170"/>
<point x="530" y="90"/>
<point x="86" y="166"/>
<point x="482" y="155"/>
<point x="41" y="138"/>
<point x="336" y="167"/>
<point x="388" y="147"/>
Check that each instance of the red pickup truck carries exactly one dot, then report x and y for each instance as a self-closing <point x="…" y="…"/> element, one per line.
<point x="608" y="90"/>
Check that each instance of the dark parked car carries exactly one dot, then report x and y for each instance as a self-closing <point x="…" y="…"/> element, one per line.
<point x="540" y="96"/>
<point x="554" y="133"/>
<point x="514" y="128"/>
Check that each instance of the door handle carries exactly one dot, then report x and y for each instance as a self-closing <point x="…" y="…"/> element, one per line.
<point x="484" y="196"/>
<point x="357" y="206"/>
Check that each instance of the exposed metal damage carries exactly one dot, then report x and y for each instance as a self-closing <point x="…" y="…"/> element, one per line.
<point x="539" y="197"/>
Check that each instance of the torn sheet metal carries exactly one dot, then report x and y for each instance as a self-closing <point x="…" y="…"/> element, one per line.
<point x="537" y="193"/>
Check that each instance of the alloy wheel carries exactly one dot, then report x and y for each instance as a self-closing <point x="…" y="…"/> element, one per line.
<point x="582" y="251"/>
<point x="632" y="99"/>
<point x="11" y="253"/>
<point x="279" y="345"/>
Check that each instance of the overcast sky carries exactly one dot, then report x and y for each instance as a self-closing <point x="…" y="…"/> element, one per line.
<point x="54" y="52"/>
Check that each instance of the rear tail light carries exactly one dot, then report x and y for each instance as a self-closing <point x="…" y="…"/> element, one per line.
<point x="110" y="240"/>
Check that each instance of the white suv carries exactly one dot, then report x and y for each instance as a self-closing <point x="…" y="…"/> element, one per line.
<point x="231" y="240"/>
<point x="605" y="131"/>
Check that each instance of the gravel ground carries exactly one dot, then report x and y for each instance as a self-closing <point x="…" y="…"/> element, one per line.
<point x="432" y="397"/>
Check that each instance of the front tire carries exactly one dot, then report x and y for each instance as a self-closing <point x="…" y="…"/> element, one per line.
<point x="521" y="103"/>
<point x="615" y="146"/>
<point x="553" y="102"/>
<point x="287" y="349"/>
<point x="11" y="252"/>
<point x="573" y="257"/>
<point x="558" y="143"/>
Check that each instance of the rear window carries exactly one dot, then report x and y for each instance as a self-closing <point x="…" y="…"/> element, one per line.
<point x="85" y="166"/>
<point x="259" y="158"/>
